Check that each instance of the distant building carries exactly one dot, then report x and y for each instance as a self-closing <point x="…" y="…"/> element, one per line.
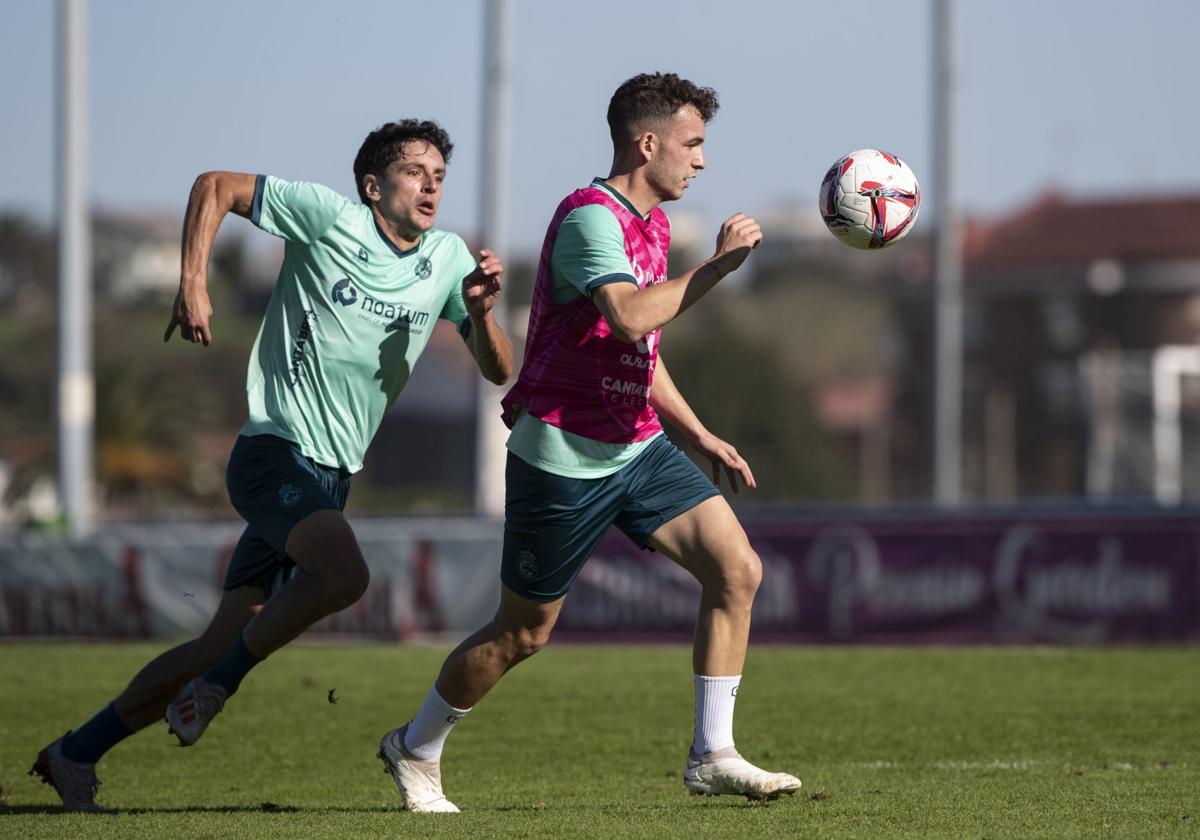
<point x="1066" y="303"/>
<point x="135" y="256"/>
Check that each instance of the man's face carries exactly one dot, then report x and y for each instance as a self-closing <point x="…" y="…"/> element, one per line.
<point x="410" y="190"/>
<point x="678" y="156"/>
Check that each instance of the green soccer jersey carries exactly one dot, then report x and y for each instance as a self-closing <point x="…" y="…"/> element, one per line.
<point x="348" y="318"/>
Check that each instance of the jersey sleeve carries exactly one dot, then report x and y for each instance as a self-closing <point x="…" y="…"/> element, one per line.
<point x="298" y="211"/>
<point x="589" y="250"/>
<point x="455" y="310"/>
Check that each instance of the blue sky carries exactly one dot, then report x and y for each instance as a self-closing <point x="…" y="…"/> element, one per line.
<point x="1090" y="98"/>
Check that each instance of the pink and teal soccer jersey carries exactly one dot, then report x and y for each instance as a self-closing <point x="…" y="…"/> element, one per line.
<point x="576" y="375"/>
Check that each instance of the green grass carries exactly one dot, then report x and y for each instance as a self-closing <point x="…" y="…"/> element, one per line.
<point x="589" y="742"/>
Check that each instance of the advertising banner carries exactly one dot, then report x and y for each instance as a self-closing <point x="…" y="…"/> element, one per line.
<point x="1057" y="578"/>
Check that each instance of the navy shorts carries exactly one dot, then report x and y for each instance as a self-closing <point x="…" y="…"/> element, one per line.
<point x="552" y="523"/>
<point x="274" y="485"/>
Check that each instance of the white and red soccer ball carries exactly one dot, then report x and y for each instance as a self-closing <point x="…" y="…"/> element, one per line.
<point x="869" y="199"/>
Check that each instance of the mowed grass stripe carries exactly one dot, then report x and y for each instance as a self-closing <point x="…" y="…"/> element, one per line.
<point x="589" y="741"/>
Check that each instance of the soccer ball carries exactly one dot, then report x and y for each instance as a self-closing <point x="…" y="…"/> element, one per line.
<point x="869" y="199"/>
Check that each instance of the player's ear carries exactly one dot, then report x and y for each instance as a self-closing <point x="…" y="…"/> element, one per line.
<point x="647" y="144"/>
<point x="371" y="187"/>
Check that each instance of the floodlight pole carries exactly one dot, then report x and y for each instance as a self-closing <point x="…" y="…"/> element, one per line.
<point x="76" y="389"/>
<point x="496" y="142"/>
<point x="948" y="364"/>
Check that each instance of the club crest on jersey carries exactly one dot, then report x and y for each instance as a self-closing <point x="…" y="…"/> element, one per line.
<point x="344" y="293"/>
<point x="362" y="254"/>
<point x="424" y="268"/>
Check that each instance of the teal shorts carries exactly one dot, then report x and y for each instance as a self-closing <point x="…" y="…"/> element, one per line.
<point x="552" y="523"/>
<point x="274" y="485"/>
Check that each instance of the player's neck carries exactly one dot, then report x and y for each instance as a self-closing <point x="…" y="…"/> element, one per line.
<point x="401" y="236"/>
<point x="635" y="190"/>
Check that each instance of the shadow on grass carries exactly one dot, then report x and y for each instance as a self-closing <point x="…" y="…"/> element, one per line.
<point x="264" y="808"/>
<point x="714" y="803"/>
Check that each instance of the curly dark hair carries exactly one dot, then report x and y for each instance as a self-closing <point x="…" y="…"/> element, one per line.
<point x="655" y="96"/>
<point x="386" y="143"/>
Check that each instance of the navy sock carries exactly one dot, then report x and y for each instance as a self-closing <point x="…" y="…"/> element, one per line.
<point x="96" y="737"/>
<point x="233" y="667"/>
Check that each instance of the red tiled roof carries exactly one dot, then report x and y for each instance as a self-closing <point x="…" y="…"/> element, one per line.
<point x="1055" y="231"/>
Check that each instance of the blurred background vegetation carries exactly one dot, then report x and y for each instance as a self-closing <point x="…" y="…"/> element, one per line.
<point x="750" y="358"/>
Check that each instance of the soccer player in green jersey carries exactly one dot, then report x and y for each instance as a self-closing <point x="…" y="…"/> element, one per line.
<point x="358" y="294"/>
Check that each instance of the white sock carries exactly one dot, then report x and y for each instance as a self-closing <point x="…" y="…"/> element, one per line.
<point x="715" y="697"/>
<point x="426" y="733"/>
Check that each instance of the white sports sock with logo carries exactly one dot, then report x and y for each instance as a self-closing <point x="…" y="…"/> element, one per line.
<point x="426" y="733"/>
<point x="715" y="697"/>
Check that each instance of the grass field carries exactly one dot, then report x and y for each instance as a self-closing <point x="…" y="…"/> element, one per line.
<point x="590" y="741"/>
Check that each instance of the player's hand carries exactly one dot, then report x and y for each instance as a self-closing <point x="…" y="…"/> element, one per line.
<point x="191" y="313"/>
<point x="481" y="288"/>
<point x="738" y="236"/>
<point x="723" y="456"/>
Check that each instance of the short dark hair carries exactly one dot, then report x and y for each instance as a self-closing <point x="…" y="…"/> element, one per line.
<point x="655" y="96"/>
<point x="386" y="143"/>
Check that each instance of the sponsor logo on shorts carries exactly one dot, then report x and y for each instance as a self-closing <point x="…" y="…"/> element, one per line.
<point x="527" y="565"/>
<point x="289" y="495"/>
<point x="453" y="718"/>
<point x="424" y="268"/>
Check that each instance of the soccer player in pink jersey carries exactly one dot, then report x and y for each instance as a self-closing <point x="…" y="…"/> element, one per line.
<point x="587" y="450"/>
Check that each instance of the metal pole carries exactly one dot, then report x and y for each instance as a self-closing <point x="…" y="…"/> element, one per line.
<point x="496" y="142"/>
<point x="1171" y="364"/>
<point x="76" y="390"/>
<point x="947" y="427"/>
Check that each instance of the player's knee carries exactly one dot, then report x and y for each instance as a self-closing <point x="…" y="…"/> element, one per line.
<point x="360" y="580"/>
<point x="526" y="641"/>
<point x="351" y="583"/>
<point x="741" y="575"/>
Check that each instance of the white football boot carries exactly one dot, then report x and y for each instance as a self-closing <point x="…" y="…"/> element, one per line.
<point x="726" y="772"/>
<point x="75" y="781"/>
<point x="419" y="781"/>
<point x="193" y="709"/>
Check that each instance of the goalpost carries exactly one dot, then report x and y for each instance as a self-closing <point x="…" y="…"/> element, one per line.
<point x="1171" y="364"/>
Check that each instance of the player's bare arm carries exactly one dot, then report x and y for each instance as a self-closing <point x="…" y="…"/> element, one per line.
<point x="214" y="194"/>
<point x="666" y="399"/>
<point x="488" y="342"/>
<point x="632" y="312"/>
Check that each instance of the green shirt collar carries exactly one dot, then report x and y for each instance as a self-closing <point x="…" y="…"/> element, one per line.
<point x="396" y="249"/>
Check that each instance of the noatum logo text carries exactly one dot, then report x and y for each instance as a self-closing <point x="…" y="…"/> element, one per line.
<point x="396" y="316"/>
